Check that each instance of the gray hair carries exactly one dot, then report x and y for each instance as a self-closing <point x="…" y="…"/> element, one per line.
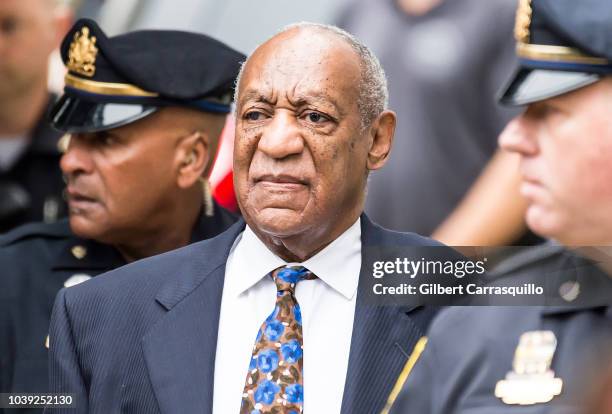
<point x="373" y="92"/>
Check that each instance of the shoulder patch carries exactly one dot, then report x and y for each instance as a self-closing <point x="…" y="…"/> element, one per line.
<point x="60" y="229"/>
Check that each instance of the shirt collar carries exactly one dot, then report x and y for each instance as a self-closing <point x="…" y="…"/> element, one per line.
<point x="337" y="265"/>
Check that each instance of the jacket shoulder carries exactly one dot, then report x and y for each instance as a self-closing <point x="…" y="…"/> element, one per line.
<point x="373" y="233"/>
<point x="58" y="230"/>
<point x="529" y="258"/>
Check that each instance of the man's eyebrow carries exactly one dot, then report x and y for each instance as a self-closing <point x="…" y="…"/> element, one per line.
<point x="257" y="96"/>
<point x="307" y="98"/>
<point x="297" y="100"/>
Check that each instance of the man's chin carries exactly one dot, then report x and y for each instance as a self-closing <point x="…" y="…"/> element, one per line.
<point x="85" y="227"/>
<point x="278" y="222"/>
<point x="544" y="222"/>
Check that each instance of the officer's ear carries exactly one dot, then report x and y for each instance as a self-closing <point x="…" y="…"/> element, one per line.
<point x="381" y="138"/>
<point x="192" y="157"/>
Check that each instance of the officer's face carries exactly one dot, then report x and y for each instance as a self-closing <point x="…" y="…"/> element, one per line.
<point x="565" y="145"/>
<point x="121" y="183"/>
<point x="28" y="33"/>
<point x="300" y="157"/>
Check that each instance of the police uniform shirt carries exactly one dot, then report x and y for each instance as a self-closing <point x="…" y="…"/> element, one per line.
<point x="471" y="350"/>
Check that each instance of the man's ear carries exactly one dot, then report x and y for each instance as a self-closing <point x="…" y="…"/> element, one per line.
<point x="192" y="156"/>
<point x="381" y="131"/>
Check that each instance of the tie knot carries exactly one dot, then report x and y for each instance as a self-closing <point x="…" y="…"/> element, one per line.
<point x="287" y="277"/>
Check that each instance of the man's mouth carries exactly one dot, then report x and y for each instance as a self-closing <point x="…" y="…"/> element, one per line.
<point x="281" y="182"/>
<point x="530" y="187"/>
<point x="77" y="199"/>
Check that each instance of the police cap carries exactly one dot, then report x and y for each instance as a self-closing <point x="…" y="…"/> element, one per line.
<point x="113" y="81"/>
<point x="562" y="45"/>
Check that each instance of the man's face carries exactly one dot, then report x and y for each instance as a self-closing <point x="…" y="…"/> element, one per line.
<point x="565" y="145"/>
<point x="121" y="182"/>
<point x="28" y="34"/>
<point x="299" y="154"/>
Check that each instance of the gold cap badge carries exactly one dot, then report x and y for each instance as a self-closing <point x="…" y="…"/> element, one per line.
<point x="531" y="381"/>
<point x="523" y="21"/>
<point x="82" y="53"/>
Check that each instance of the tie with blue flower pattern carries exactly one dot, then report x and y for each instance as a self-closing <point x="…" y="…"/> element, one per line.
<point x="274" y="383"/>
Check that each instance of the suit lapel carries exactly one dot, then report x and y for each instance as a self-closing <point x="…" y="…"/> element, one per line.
<point x="382" y="340"/>
<point x="180" y="348"/>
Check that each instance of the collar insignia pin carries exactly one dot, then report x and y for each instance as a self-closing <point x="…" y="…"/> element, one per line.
<point x="79" y="251"/>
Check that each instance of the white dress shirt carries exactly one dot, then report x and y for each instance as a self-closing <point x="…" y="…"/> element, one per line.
<point x="328" y="310"/>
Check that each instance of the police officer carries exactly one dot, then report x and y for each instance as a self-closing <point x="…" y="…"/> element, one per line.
<point x="541" y="359"/>
<point x="144" y="111"/>
<point x="30" y="179"/>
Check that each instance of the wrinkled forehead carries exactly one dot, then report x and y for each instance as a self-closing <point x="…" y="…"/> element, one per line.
<point x="302" y="63"/>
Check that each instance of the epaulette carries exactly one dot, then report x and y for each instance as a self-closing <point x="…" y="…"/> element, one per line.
<point x="59" y="229"/>
<point x="527" y="257"/>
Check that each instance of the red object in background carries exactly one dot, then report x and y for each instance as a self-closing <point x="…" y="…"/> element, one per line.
<point x="221" y="177"/>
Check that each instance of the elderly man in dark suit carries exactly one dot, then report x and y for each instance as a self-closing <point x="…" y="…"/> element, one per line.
<point x="232" y="324"/>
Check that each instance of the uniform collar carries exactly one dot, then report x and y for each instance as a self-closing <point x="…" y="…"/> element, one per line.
<point x="81" y="254"/>
<point x="89" y="254"/>
<point x="207" y="227"/>
<point x="337" y="265"/>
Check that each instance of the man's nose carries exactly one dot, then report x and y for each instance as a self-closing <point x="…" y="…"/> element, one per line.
<point x="77" y="158"/>
<point x="282" y="137"/>
<point x="518" y="136"/>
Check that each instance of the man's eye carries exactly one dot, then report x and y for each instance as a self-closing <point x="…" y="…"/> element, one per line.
<point x="316" y="117"/>
<point x="105" y="139"/>
<point x="254" y="116"/>
<point x="8" y="26"/>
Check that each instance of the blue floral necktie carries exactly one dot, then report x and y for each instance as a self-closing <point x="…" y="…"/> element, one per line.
<point x="274" y="383"/>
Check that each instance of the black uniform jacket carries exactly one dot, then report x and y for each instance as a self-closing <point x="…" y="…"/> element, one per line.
<point x="471" y="349"/>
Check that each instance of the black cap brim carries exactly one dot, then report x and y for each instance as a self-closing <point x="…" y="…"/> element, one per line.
<point x="77" y="115"/>
<point x="532" y="85"/>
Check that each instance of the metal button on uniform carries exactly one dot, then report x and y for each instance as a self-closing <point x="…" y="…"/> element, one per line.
<point x="79" y="251"/>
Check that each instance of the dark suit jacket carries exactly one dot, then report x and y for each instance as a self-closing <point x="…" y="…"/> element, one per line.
<point x="142" y="339"/>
